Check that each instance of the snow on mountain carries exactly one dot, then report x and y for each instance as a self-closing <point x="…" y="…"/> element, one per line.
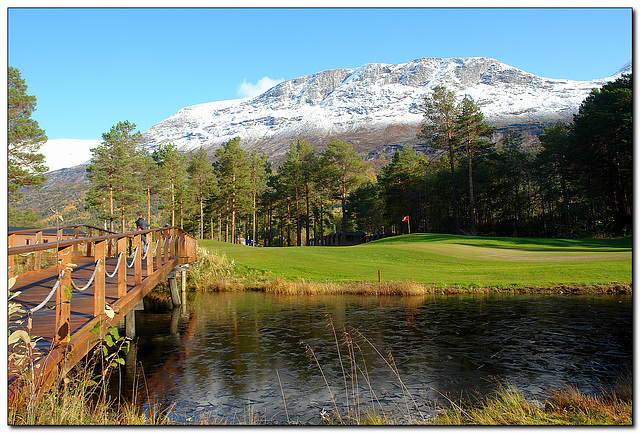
<point x="377" y="103"/>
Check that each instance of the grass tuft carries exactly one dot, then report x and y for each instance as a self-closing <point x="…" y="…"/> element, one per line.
<point x="568" y="406"/>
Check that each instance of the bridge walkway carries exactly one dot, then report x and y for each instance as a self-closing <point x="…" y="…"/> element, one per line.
<point x="93" y="283"/>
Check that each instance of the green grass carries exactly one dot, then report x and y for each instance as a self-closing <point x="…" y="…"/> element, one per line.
<point x="441" y="261"/>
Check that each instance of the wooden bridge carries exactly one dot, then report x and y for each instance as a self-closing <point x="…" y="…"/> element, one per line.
<point x="86" y="281"/>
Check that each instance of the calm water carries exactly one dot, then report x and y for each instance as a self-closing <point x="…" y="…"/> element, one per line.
<point x="234" y="355"/>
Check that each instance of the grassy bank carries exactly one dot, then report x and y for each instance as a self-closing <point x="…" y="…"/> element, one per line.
<point x="568" y="406"/>
<point x="427" y="263"/>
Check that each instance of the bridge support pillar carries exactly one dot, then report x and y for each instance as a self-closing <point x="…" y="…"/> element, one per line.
<point x="130" y="320"/>
<point x="130" y="324"/>
<point x="173" y="285"/>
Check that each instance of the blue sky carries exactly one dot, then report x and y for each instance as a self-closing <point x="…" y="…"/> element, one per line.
<point x="90" y="68"/>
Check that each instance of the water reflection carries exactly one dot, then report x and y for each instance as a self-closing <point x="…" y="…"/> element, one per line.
<point x="223" y="353"/>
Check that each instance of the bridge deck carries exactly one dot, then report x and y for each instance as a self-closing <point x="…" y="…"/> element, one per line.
<point x="35" y="286"/>
<point x="64" y="326"/>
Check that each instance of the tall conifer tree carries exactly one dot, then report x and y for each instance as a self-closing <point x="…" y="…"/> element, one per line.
<point x="114" y="173"/>
<point x="258" y="176"/>
<point x="441" y="114"/>
<point x="24" y="137"/>
<point x="202" y="180"/>
<point x="348" y="171"/>
<point x="172" y="176"/>
<point x="473" y="133"/>
<point x="232" y="169"/>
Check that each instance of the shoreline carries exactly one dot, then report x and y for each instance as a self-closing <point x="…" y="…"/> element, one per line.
<point x="284" y="287"/>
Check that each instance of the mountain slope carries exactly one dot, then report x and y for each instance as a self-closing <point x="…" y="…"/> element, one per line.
<point x="374" y="106"/>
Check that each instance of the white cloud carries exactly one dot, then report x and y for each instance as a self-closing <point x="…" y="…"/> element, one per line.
<point x="67" y="152"/>
<point x="249" y="90"/>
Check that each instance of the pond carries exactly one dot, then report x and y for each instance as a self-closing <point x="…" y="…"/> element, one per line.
<point x="246" y="357"/>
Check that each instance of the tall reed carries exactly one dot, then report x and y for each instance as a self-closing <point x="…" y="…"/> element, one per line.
<point x="360" y="407"/>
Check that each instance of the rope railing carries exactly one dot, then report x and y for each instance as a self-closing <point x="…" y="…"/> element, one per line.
<point x="175" y="239"/>
<point x="133" y="260"/>
<point x="117" y="266"/>
<point x="43" y="303"/>
<point x="86" y="286"/>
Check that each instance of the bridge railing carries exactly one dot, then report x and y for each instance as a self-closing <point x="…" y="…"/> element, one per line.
<point x="170" y="243"/>
<point x="35" y="236"/>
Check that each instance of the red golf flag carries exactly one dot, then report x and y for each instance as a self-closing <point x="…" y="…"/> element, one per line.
<point x="406" y="218"/>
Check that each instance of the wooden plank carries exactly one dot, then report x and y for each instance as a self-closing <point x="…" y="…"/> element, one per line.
<point x="64" y="327"/>
<point x="37" y="256"/>
<point x="63" y="301"/>
<point x="137" y="266"/>
<point x="121" y="247"/>
<point x="99" y="281"/>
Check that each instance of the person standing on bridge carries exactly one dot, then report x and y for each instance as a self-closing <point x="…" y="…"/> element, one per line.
<point x="142" y="224"/>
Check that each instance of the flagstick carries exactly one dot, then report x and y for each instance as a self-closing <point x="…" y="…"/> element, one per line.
<point x="409" y="224"/>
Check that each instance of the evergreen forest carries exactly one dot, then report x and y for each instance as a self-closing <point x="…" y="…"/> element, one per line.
<point x="574" y="180"/>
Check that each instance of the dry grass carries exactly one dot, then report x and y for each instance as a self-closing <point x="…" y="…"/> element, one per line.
<point x="77" y="399"/>
<point x="568" y="406"/>
<point x="283" y="287"/>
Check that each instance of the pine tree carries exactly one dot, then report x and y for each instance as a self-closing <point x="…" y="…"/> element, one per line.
<point x="473" y="133"/>
<point x="258" y="176"/>
<point x="553" y="160"/>
<point x="400" y="184"/>
<point x="604" y="142"/>
<point x="114" y="172"/>
<point x="172" y="175"/>
<point x="232" y="170"/>
<point x="441" y="114"/>
<point x="202" y="181"/>
<point x="24" y="138"/>
<point x="347" y="171"/>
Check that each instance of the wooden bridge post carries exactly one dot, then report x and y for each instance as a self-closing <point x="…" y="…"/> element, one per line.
<point x="76" y="232"/>
<point x="11" y="240"/>
<point x="149" y="253"/>
<point x="180" y="245"/>
<point x="37" y="256"/>
<point x="121" y="247"/>
<point x="138" y="260"/>
<point x="89" y="244"/>
<point x="63" y="303"/>
<point x="98" y="292"/>
<point x="173" y="286"/>
<point x="176" y="242"/>
<point x="165" y="246"/>
<point x="158" y="236"/>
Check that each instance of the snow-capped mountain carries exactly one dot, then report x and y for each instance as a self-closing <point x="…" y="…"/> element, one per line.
<point x="374" y="106"/>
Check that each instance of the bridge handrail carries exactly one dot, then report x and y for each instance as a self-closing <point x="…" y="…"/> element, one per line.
<point x="35" y="230"/>
<point x="22" y="249"/>
<point x="176" y="243"/>
<point x="173" y="246"/>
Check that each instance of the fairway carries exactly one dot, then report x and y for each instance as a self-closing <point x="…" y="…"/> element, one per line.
<point x="443" y="261"/>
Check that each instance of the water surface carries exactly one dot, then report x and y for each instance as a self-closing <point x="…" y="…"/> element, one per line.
<point x="247" y="356"/>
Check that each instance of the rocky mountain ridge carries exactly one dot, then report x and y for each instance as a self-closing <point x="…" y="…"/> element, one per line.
<point x="377" y="106"/>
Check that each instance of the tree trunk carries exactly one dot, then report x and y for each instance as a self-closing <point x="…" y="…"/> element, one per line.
<point x="472" y="217"/>
<point x="253" y="238"/>
<point x="307" y="222"/>
<point x="173" y="206"/>
<point x="454" y="196"/>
